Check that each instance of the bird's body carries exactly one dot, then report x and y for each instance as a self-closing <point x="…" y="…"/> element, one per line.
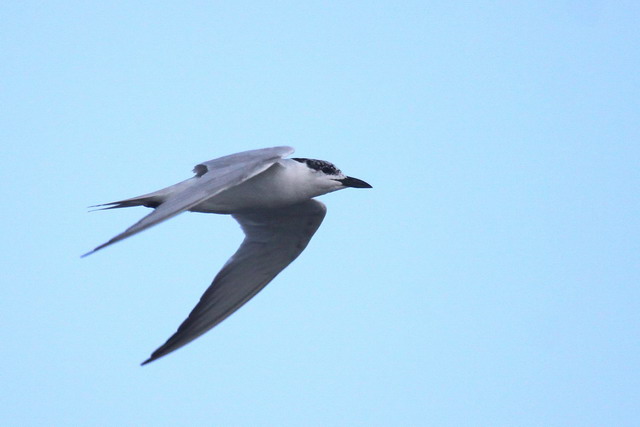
<point x="286" y="182"/>
<point x="272" y="199"/>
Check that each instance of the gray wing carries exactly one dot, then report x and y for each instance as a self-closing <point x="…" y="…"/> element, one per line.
<point x="274" y="238"/>
<point x="211" y="178"/>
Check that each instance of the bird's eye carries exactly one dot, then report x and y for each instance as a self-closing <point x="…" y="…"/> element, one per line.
<point x="329" y="170"/>
<point x="320" y="166"/>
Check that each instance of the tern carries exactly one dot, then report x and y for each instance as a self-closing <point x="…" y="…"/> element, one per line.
<point x="272" y="197"/>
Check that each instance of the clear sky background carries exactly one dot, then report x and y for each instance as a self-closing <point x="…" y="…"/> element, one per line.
<point x="491" y="276"/>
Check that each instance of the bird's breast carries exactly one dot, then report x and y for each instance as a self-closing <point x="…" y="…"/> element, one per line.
<point x="276" y="187"/>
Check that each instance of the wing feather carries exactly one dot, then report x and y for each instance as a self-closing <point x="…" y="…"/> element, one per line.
<point x="219" y="175"/>
<point x="274" y="238"/>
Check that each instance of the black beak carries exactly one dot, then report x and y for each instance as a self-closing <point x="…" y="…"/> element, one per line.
<point x="354" y="182"/>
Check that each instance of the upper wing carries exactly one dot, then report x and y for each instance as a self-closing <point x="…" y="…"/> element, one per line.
<point x="274" y="238"/>
<point x="212" y="177"/>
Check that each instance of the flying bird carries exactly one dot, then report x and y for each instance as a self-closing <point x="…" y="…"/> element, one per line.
<point x="272" y="197"/>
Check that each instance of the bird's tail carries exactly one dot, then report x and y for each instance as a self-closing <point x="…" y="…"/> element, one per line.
<point x="146" y="201"/>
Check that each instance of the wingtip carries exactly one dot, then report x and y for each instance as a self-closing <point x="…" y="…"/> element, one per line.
<point x="87" y="254"/>
<point x="102" y="246"/>
<point x="154" y="356"/>
<point x="149" y="360"/>
<point x="94" y="250"/>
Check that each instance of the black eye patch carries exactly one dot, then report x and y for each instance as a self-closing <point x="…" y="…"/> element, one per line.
<point x="319" y="165"/>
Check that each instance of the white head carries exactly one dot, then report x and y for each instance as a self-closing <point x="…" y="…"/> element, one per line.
<point x="328" y="177"/>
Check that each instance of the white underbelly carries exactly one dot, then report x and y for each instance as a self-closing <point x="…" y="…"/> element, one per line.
<point x="270" y="189"/>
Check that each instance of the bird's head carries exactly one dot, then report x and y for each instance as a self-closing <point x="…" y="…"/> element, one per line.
<point x="326" y="176"/>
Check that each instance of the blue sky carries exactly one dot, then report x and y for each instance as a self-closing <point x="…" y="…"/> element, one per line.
<point x="490" y="277"/>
